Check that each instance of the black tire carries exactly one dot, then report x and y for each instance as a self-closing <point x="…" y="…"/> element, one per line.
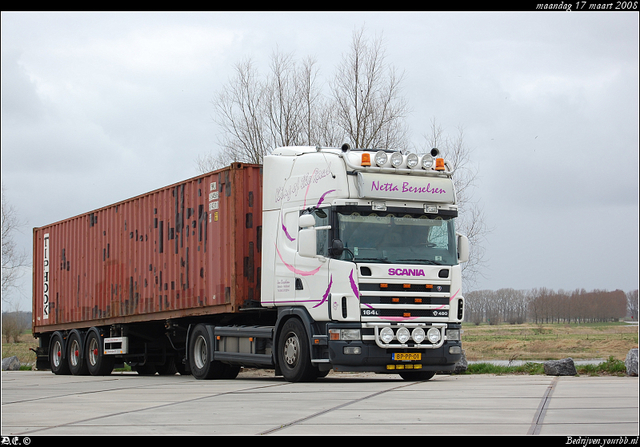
<point x="57" y="360"/>
<point x="98" y="364"/>
<point x="294" y="356"/>
<point x="202" y="366"/>
<point x="230" y="371"/>
<point x="418" y="376"/>
<point x="181" y="367"/>
<point x="75" y="355"/>
<point x="168" y="369"/>
<point x="145" y="369"/>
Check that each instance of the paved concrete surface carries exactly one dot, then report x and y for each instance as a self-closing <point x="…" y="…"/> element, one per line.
<point x="40" y="403"/>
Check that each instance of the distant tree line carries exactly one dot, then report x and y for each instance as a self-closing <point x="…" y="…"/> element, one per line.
<point x="544" y="305"/>
<point x="14" y="324"/>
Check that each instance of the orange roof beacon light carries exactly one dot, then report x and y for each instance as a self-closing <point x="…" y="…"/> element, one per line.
<point x="366" y="159"/>
<point x="439" y="164"/>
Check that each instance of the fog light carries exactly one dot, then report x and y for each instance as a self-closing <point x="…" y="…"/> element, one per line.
<point x="380" y="158"/>
<point x="433" y="335"/>
<point x="386" y="335"/>
<point x="352" y="350"/>
<point x="418" y="335"/>
<point x="396" y="159"/>
<point x="455" y="350"/>
<point x="412" y="160"/>
<point x="427" y="162"/>
<point x="403" y="335"/>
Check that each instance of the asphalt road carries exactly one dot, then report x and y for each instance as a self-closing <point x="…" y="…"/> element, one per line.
<point x="42" y="404"/>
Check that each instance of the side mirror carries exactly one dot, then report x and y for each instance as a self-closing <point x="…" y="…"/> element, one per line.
<point x="337" y="247"/>
<point x="307" y="236"/>
<point x="306" y="220"/>
<point x="463" y="248"/>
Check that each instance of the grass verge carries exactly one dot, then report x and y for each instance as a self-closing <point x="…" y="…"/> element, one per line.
<point x="610" y="367"/>
<point x="526" y="342"/>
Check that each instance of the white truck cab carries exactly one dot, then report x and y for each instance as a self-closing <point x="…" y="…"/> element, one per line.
<point x="360" y="246"/>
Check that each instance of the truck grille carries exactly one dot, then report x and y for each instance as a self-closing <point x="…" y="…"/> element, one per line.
<point x="403" y="300"/>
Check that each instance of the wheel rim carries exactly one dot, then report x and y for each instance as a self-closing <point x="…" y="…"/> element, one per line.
<point x="57" y="354"/>
<point x="93" y="352"/>
<point x="200" y="352"/>
<point x="291" y="350"/>
<point x="74" y="353"/>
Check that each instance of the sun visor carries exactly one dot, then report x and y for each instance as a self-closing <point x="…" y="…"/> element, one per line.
<point x="404" y="187"/>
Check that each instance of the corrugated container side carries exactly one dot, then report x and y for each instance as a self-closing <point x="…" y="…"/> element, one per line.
<point x="192" y="248"/>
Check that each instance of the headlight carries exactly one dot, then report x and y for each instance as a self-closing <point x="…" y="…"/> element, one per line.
<point x="412" y="160"/>
<point x="380" y="158"/>
<point x="403" y="335"/>
<point x="453" y="334"/>
<point x="396" y="159"/>
<point x="344" y="334"/>
<point x="386" y="335"/>
<point x="427" y="162"/>
<point x="418" y="335"/>
<point x="433" y="335"/>
<point x="350" y="334"/>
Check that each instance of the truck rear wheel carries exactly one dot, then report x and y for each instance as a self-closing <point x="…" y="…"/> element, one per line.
<point x="294" y="356"/>
<point x="59" y="364"/>
<point x="75" y="356"/>
<point x="97" y="363"/>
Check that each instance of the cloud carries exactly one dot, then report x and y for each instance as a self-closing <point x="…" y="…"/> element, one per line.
<point x="99" y="107"/>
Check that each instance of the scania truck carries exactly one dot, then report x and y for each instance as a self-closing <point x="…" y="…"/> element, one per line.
<point x="320" y="259"/>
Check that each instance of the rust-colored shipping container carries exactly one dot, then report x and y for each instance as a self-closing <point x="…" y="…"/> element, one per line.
<point x="189" y="249"/>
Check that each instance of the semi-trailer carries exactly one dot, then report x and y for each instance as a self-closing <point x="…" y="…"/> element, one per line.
<point x="319" y="259"/>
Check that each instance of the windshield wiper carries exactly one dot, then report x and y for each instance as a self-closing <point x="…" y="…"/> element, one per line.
<point x="372" y="259"/>
<point x="425" y="261"/>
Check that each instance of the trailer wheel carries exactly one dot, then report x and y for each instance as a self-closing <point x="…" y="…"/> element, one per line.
<point x="202" y="366"/>
<point x="59" y="364"/>
<point x="77" y="365"/>
<point x="294" y="357"/>
<point x="97" y="363"/>
<point x="417" y="376"/>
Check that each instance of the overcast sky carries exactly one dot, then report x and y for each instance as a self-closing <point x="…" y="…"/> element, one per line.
<point x="100" y="107"/>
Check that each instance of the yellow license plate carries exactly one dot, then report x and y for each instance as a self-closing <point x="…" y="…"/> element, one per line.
<point x="407" y="356"/>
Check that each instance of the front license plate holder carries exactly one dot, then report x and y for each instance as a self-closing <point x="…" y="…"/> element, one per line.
<point x="406" y="356"/>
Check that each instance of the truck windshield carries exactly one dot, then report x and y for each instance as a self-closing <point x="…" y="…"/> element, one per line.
<point x="397" y="238"/>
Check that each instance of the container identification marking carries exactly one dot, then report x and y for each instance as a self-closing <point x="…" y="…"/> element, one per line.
<point x="45" y="283"/>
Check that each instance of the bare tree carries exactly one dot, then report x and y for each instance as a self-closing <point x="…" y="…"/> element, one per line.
<point x="632" y="304"/>
<point x="287" y="107"/>
<point x="258" y="113"/>
<point x="366" y="90"/>
<point x="471" y="222"/>
<point x="12" y="259"/>
<point x="240" y="114"/>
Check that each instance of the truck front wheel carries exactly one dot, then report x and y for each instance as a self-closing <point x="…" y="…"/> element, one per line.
<point x="294" y="357"/>
<point x="202" y="366"/>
